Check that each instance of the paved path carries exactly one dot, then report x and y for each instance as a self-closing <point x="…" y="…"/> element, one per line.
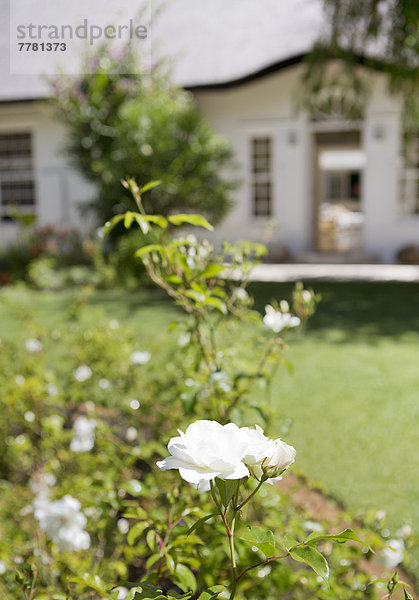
<point x="339" y="272"/>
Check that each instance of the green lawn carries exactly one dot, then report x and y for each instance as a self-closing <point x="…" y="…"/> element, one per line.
<point x="353" y="398"/>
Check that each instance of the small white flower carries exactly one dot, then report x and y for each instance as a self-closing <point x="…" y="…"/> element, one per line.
<point x="221" y="380"/>
<point x="240" y="294"/>
<point x="113" y="324"/>
<point x="277" y="320"/>
<point x="2" y="567"/>
<point x="207" y="450"/>
<point x="20" y="380"/>
<point x="140" y="358"/>
<point x="380" y="515"/>
<point x="123" y="525"/>
<point x="131" y="434"/>
<point x="122" y="592"/>
<point x="306" y="296"/>
<point x="393" y="553"/>
<point x="134" y="404"/>
<point x="63" y="522"/>
<point x="405" y="531"/>
<point x="29" y="416"/>
<point x="33" y="345"/>
<point x="264" y="571"/>
<point x="51" y="389"/>
<point x="104" y="384"/>
<point x="82" y="373"/>
<point x="83" y="435"/>
<point x="184" y="340"/>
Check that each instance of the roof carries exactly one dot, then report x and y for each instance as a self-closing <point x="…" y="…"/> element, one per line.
<point x="213" y="43"/>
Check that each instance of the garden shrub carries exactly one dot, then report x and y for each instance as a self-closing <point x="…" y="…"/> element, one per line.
<point x="88" y="411"/>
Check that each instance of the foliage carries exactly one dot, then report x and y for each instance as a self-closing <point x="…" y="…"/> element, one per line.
<point x="56" y="247"/>
<point x="119" y="122"/>
<point x="380" y="34"/>
<point x="145" y="526"/>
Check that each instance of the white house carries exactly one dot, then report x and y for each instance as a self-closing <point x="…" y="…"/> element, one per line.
<point x="333" y="186"/>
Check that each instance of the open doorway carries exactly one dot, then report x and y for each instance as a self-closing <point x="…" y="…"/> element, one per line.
<point x="339" y="219"/>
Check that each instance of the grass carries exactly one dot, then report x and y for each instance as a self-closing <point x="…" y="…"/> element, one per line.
<point x="353" y="398"/>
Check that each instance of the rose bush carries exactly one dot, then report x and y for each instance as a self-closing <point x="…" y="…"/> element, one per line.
<point x="147" y="529"/>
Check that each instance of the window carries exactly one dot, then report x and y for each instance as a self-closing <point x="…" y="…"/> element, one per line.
<point x="262" y="176"/>
<point x="17" y="187"/>
<point x="409" y="184"/>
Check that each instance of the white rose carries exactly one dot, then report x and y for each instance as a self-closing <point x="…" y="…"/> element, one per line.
<point x="83" y="435"/>
<point x="33" y="345"/>
<point x="265" y="456"/>
<point x="82" y="373"/>
<point x="63" y="522"/>
<point x="393" y="554"/>
<point x="277" y="320"/>
<point x="205" y="451"/>
<point x="140" y="358"/>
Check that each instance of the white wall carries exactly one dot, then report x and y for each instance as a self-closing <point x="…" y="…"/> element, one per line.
<point x="266" y="107"/>
<point x="59" y="189"/>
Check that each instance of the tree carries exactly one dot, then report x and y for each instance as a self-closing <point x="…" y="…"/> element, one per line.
<point x="123" y="124"/>
<point x="380" y="34"/>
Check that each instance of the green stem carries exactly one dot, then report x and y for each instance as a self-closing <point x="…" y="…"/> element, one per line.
<point x="255" y="491"/>
<point x="233" y="558"/>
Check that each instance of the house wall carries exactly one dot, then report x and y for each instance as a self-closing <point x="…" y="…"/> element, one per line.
<point x="269" y="106"/>
<point x="266" y="106"/>
<point x="59" y="189"/>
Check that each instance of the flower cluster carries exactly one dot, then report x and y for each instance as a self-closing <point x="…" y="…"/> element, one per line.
<point x="63" y="522"/>
<point x="208" y="450"/>
<point x="278" y="320"/>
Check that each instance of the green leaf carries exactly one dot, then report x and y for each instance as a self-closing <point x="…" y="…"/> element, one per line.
<point x="212" y="593"/>
<point x="142" y="222"/>
<point x="135" y="532"/>
<point x="407" y="596"/>
<point x="111" y="224"/>
<point x="197" y="220"/>
<point x="151" y="539"/>
<point x="343" y="536"/>
<point x="200" y="522"/>
<point x="185" y="578"/>
<point x="186" y="539"/>
<point x="211" y="270"/>
<point x="226" y="487"/>
<point x="262" y="539"/>
<point x="128" y="219"/>
<point x="216" y="303"/>
<point x="92" y="581"/>
<point x="311" y="557"/>
<point x="157" y="220"/>
<point x="149" y="248"/>
<point x="152" y="560"/>
<point x="149" y="186"/>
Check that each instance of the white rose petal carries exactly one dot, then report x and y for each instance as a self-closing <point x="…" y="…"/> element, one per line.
<point x="122" y="592"/>
<point x="207" y="450"/>
<point x="82" y="373"/>
<point x="277" y="320"/>
<point x="140" y="358"/>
